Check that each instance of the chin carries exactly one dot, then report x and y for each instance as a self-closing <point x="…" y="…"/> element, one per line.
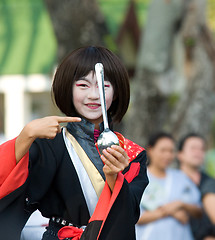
<point x="197" y="163"/>
<point x="94" y="120"/>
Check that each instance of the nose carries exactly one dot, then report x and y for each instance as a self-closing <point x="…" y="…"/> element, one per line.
<point x="94" y="93"/>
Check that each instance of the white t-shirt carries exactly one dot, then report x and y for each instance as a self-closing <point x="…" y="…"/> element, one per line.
<point x="175" y="186"/>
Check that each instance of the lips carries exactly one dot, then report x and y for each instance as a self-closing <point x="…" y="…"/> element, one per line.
<point x="93" y="105"/>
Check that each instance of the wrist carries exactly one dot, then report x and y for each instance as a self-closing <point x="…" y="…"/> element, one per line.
<point x="160" y="213"/>
<point x="111" y="180"/>
<point x="111" y="176"/>
<point x="181" y="205"/>
<point x="28" y="132"/>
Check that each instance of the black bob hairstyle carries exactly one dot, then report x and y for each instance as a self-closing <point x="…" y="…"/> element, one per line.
<point x="78" y="64"/>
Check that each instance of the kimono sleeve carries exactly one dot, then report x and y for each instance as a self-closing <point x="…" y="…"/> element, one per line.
<point x="12" y="175"/>
<point x="21" y="185"/>
<point x="12" y="185"/>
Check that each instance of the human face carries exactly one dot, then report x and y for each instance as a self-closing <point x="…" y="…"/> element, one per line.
<point x="193" y="152"/>
<point x="162" y="153"/>
<point x="86" y="98"/>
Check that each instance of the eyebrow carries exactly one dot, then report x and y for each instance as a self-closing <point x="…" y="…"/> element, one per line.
<point x="85" y="79"/>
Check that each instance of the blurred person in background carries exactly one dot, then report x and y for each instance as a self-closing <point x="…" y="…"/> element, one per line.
<point x="170" y="198"/>
<point x="191" y="156"/>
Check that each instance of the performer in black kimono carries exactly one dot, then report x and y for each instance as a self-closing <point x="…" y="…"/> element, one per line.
<point x="59" y="170"/>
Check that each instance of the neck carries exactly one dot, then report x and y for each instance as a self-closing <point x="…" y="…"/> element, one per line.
<point x="192" y="172"/>
<point x="158" y="172"/>
<point x="97" y="126"/>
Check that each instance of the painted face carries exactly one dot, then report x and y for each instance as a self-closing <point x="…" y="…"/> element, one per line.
<point x="86" y="97"/>
<point x="163" y="153"/>
<point x="193" y="152"/>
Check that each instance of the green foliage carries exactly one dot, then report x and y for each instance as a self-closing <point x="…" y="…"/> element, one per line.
<point x="189" y="42"/>
<point x="27" y="41"/>
<point x="211" y="14"/>
<point x="110" y="43"/>
<point x="142" y="10"/>
<point x="173" y="99"/>
<point x="210" y="163"/>
<point x="115" y="12"/>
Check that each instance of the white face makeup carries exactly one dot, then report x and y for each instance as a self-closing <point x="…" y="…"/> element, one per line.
<point x="86" y="97"/>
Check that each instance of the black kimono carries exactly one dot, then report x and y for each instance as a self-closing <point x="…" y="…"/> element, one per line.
<point x="46" y="179"/>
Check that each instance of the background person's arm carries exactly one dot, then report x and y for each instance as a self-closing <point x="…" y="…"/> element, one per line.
<point x="151" y="216"/>
<point x="181" y="216"/>
<point x="191" y="209"/>
<point x="209" y="206"/>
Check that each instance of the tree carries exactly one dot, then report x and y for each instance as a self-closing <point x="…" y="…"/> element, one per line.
<point x="173" y="87"/>
<point x="76" y="23"/>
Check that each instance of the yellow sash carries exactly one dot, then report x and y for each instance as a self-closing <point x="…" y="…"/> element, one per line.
<point x="94" y="175"/>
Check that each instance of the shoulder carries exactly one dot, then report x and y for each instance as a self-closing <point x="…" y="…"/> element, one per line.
<point x="181" y="177"/>
<point x="207" y="184"/>
<point x="185" y="187"/>
<point x="131" y="148"/>
<point x="177" y="173"/>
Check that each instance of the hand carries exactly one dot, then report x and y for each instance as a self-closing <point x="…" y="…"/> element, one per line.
<point x="151" y="216"/>
<point x="115" y="159"/>
<point x="181" y="216"/>
<point x="47" y="127"/>
<point x="209" y="238"/>
<point x="171" y="208"/>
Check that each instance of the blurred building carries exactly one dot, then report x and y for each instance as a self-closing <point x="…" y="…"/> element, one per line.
<point x="27" y="60"/>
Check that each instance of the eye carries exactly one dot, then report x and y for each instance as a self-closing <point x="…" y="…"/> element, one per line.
<point x="82" y="85"/>
<point x="107" y="84"/>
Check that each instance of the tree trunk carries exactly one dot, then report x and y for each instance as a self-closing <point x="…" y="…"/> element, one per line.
<point x="194" y="111"/>
<point x="76" y="23"/>
<point x="173" y="87"/>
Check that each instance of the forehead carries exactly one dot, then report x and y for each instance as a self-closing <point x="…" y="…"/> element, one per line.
<point x="164" y="142"/>
<point x="86" y="59"/>
<point x="194" y="141"/>
<point x="90" y="77"/>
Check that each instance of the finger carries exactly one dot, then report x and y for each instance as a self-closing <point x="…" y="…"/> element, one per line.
<point x="111" y="166"/>
<point x="119" y="149"/>
<point x="109" y="159"/>
<point x="68" y="119"/>
<point x="120" y="154"/>
<point x="59" y="129"/>
<point x="116" y="154"/>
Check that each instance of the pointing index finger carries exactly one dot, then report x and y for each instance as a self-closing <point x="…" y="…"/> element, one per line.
<point x="68" y="119"/>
